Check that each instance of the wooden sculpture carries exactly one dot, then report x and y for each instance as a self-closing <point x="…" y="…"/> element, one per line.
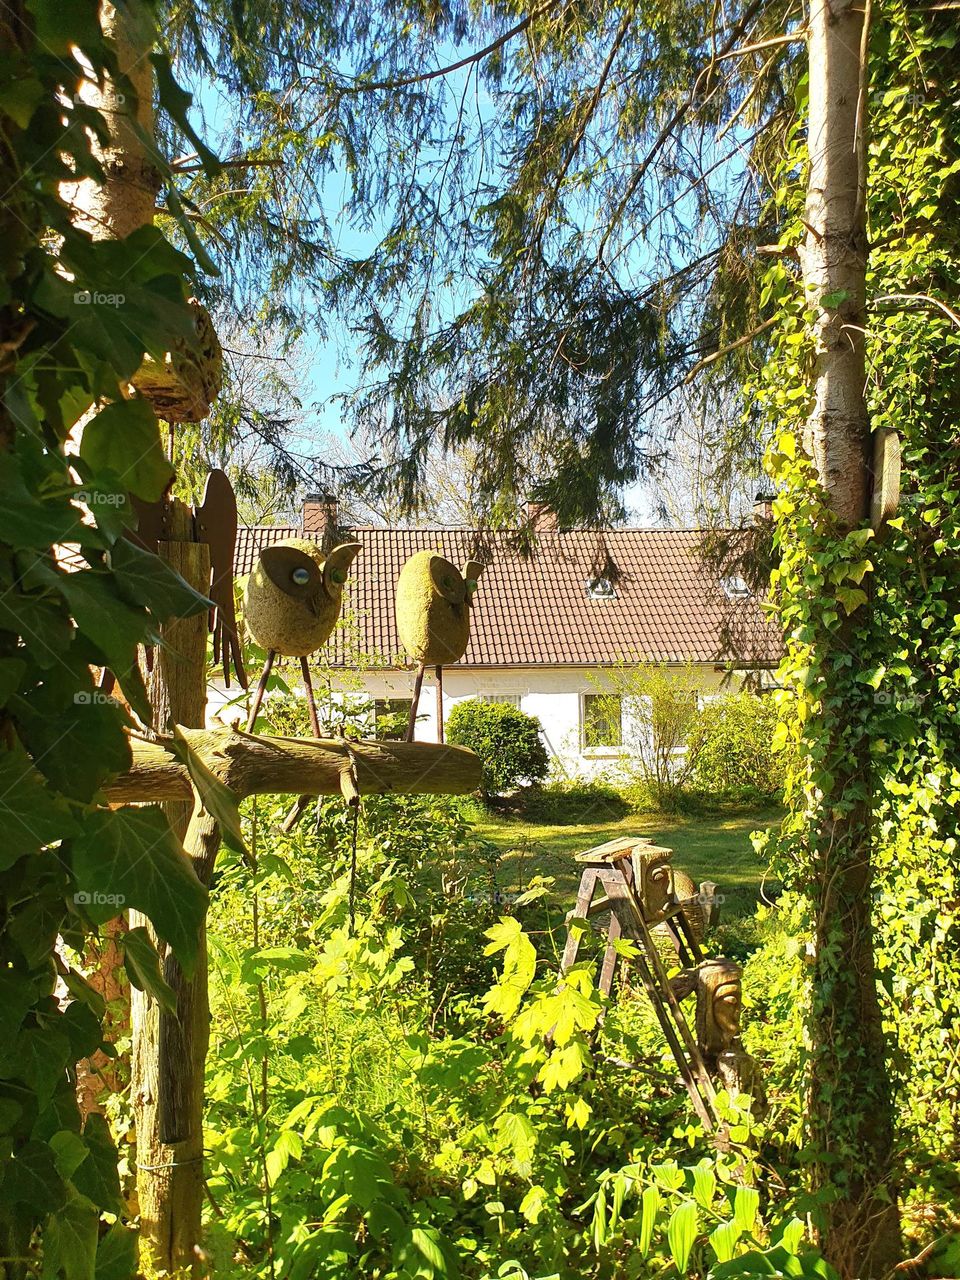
<point x="644" y="898"/>
<point x="433" y="619"/>
<point x="291" y="605"/>
<point x="717" y="985"/>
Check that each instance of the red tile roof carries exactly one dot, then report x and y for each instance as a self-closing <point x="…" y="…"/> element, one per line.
<point x="536" y="609"/>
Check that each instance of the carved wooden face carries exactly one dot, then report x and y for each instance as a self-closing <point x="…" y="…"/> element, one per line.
<point x="433" y="607"/>
<point x="293" y="596"/>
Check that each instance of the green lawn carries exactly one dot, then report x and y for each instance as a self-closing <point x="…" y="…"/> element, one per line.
<point x="708" y="847"/>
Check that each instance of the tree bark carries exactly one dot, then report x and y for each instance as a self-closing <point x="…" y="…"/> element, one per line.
<point x="250" y="764"/>
<point x="849" y="1114"/>
<point x="127" y="199"/>
<point x="170" y="1174"/>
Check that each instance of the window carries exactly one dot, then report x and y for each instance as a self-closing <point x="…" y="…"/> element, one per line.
<point x="511" y="699"/>
<point x="390" y="716"/>
<point x="601" y="720"/>
<point x="601" y="589"/>
<point x="734" y="588"/>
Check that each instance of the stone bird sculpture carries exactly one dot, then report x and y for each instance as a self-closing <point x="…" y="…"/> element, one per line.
<point x="291" y="605"/>
<point x="433" y="619"/>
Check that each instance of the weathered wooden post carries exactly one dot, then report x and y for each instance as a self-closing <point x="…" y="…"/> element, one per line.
<point x="170" y="1163"/>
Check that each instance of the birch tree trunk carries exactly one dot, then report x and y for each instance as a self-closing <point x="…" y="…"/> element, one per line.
<point x="850" y="1120"/>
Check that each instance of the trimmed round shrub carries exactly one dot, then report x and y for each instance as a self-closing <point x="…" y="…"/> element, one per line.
<point x="730" y="744"/>
<point x="506" y="739"/>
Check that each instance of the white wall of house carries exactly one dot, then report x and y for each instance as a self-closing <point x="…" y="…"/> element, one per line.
<point x="552" y="694"/>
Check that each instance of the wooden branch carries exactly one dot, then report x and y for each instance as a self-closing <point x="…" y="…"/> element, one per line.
<point x="731" y="346"/>
<point x="253" y="765"/>
<point x="471" y="58"/>
<point x="916" y="300"/>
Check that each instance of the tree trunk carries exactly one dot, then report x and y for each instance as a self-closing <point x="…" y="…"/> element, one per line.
<point x="127" y="199"/>
<point x="849" y="1117"/>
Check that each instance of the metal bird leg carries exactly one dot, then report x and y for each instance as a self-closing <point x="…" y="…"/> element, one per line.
<point x="417" y="685"/>
<point x="301" y="805"/>
<point x="260" y="690"/>
<point x="439" y="703"/>
<point x="311" y="703"/>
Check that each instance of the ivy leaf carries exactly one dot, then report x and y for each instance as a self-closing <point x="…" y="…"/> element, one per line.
<point x="79" y="748"/>
<point x="25" y="520"/>
<point x="124" y="439"/>
<point x="82" y="1028"/>
<point x="82" y="991"/>
<point x="31" y="816"/>
<point x="142" y="964"/>
<point x="69" y="1150"/>
<point x="147" y="580"/>
<point x="39" y="1057"/>
<point x="97" y="1177"/>
<point x="851" y="598"/>
<point x="115" y="627"/>
<point x="835" y="299"/>
<point x="215" y="796"/>
<point x="117" y="1254"/>
<point x="31" y="1178"/>
<point x="11" y="673"/>
<point x="131" y="858"/>
<point x="70" y="1240"/>
<point x="34" y="927"/>
<point x="20" y="96"/>
<point x="63" y="23"/>
<point x="16" y="997"/>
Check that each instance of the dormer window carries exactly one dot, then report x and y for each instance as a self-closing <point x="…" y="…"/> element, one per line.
<point x="734" y="588"/>
<point x="601" y="589"/>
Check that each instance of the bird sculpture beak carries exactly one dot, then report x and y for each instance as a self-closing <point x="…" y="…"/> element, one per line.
<point x="315" y="603"/>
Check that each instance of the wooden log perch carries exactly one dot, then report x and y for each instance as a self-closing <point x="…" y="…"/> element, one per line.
<point x="250" y="764"/>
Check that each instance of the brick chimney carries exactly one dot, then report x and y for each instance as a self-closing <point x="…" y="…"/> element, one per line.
<point x="542" y="518"/>
<point x="321" y="516"/>
<point x="763" y="508"/>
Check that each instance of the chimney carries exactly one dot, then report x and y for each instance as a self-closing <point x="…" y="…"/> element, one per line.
<point x="763" y="508"/>
<point x="320" y="516"/>
<point x="541" y="517"/>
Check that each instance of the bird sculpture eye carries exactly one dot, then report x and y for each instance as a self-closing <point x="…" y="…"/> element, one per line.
<point x="471" y="585"/>
<point x="339" y="577"/>
<point x="301" y="576"/>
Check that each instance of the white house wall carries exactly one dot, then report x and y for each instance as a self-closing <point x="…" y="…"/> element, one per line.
<point x="552" y="694"/>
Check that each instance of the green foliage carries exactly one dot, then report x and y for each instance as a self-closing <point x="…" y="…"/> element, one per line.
<point x="69" y="863"/>
<point x="872" y="626"/>
<point x="506" y="739"/>
<point x="732" y="747"/>
<point x="573" y="802"/>
<point x="377" y="1111"/>
<point x="657" y="707"/>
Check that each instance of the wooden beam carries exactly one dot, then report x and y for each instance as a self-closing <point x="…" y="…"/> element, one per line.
<point x="251" y="764"/>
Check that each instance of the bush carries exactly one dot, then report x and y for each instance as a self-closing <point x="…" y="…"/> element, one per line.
<point x="506" y="739"/>
<point x="655" y="706"/>
<point x="573" y="802"/>
<point x="730" y="745"/>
